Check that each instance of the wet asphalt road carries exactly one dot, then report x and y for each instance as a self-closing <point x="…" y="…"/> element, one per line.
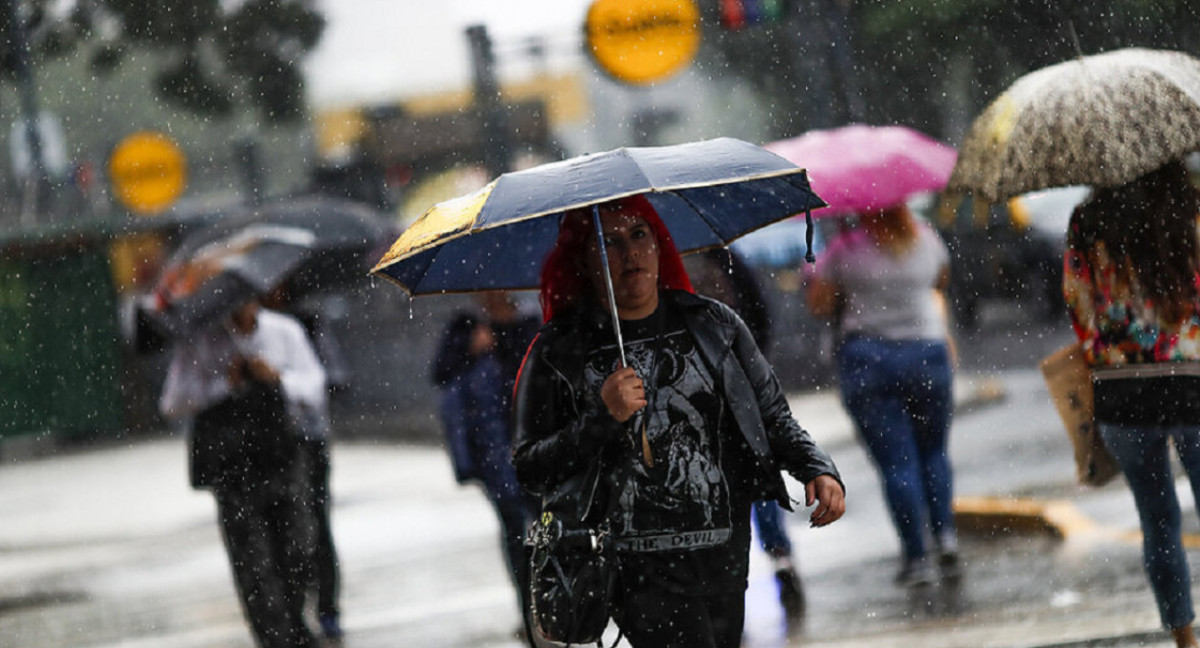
<point x="107" y="546"/>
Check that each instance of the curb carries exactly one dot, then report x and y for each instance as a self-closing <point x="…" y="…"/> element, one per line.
<point x="1059" y="519"/>
<point x="995" y="515"/>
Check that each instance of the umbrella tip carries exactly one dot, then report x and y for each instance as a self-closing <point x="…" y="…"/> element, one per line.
<point x="1074" y="38"/>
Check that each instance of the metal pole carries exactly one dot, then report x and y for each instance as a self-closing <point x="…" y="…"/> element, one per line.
<point x="246" y="150"/>
<point x="843" y="60"/>
<point x="19" y="42"/>
<point x="487" y="102"/>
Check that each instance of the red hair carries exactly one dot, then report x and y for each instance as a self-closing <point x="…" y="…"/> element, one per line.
<point x="563" y="280"/>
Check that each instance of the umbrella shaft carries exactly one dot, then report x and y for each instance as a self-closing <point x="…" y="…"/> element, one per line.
<point x="612" y="302"/>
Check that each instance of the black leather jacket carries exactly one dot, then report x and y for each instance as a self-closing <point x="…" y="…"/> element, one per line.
<point x="559" y="436"/>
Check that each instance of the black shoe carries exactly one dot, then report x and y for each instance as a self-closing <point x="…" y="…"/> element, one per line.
<point x="949" y="565"/>
<point x="791" y="593"/>
<point x="916" y="572"/>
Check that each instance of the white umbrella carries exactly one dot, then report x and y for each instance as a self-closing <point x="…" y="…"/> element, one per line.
<point x="1099" y="120"/>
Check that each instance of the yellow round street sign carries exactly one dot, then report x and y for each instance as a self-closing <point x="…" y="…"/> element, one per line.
<point x="643" y="41"/>
<point x="148" y="172"/>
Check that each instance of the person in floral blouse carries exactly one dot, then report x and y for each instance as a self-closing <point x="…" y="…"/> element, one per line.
<point x="1132" y="284"/>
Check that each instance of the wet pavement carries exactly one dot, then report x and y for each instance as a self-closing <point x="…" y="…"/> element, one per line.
<point x="108" y="546"/>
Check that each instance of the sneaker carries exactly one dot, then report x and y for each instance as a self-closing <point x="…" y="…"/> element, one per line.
<point x="791" y="593"/>
<point x="330" y="627"/>
<point x="916" y="572"/>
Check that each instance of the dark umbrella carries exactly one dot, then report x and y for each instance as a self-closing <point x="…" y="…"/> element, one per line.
<point x="347" y="238"/>
<point x="707" y="193"/>
<point x="206" y="280"/>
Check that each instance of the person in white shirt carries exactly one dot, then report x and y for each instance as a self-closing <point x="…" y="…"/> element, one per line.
<point x="254" y="387"/>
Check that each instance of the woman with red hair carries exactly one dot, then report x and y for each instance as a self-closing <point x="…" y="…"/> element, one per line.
<point x="681" y="432"/>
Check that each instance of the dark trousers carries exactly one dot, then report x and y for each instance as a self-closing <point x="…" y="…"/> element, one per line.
<point x="651" y="616"/>
<point x="515" y="510"/>
<point x="474" y="411"/>
<point x="266" y="522"/>
<point x="768" y="516"/>
<point x="325" y="558"/>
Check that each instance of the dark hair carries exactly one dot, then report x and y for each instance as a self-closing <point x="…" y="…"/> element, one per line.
<point x="1148" y="226"/>
<point x="563" y="282"/>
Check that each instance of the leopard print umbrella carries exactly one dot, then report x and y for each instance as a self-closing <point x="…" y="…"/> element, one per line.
<point x="1099" y="120"/>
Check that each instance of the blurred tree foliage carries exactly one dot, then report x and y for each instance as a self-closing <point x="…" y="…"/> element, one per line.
<point x="212" y="53"/>
<point x="931" y="64"/>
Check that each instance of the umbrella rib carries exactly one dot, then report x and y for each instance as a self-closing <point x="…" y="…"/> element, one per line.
<point x="703" y="216"/>
<point x="392" y="279"/>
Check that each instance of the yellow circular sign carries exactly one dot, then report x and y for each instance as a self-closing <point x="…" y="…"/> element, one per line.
<point x="643" y="41"/>
<point x="148" y="172"/>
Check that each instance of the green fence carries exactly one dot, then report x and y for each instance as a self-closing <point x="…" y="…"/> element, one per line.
<point x="59" y="343"/>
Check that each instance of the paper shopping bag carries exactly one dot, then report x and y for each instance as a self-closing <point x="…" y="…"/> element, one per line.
<point x="1069" y="379"/>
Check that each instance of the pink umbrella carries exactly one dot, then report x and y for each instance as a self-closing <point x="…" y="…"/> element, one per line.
<point x="862" y="168"/>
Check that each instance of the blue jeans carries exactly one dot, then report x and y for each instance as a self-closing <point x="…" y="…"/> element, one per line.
<point x="768" y="517"/>
<point x="1143" y="456"/>
<point x="899" y="394"/>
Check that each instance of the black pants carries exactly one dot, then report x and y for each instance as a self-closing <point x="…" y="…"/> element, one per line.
<point x="268" y="528"/>
<point x="651" y="616"/>
<point x="325" y="557"/>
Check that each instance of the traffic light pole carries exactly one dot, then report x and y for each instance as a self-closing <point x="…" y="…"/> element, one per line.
<point x="496" y="141"/>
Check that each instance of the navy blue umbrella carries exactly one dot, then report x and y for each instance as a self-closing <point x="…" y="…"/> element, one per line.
<point x="707" y="193"/>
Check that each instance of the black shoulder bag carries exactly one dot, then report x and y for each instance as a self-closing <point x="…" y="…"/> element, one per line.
<point x="572" y="571"/>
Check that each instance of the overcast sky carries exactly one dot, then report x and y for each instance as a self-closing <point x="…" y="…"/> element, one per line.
<point x="382" y="50"/>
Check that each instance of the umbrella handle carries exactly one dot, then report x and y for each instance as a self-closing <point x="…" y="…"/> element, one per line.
<point x="612" y="301"/>
<point x="808" y="235"/>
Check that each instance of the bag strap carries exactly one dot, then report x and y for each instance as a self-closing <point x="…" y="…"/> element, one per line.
<point x="591" y="485"/>
<point x="1147" y="370"/>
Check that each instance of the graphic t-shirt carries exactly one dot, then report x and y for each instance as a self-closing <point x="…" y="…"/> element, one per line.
<point x="673" y="516"/>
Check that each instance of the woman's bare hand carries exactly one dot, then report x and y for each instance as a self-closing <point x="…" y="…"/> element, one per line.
<point x="828" y="493"/>
<point x="623" y="393"/>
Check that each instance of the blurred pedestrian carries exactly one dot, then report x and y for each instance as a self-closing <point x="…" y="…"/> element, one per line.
<point x="687" y="435"/>
<point x="326" y="585"/>
<point x="882" y="283"/>
<point x="475" y="368"/>
<point x="722" y="274"/>
<point x="249" y="385"/>
<point x="1131" y="275"/>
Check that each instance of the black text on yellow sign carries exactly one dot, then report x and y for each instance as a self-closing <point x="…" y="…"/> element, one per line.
<point x="643" y="41"/>
<point x="148" y="172"/>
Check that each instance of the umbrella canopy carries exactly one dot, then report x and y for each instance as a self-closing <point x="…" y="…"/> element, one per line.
<point x="860" y="168"/>
<point x="707" y="193"/>
<point x="206" y="281"/>
<point x="1098" y="120"/>
<point x="347" y="238"/>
